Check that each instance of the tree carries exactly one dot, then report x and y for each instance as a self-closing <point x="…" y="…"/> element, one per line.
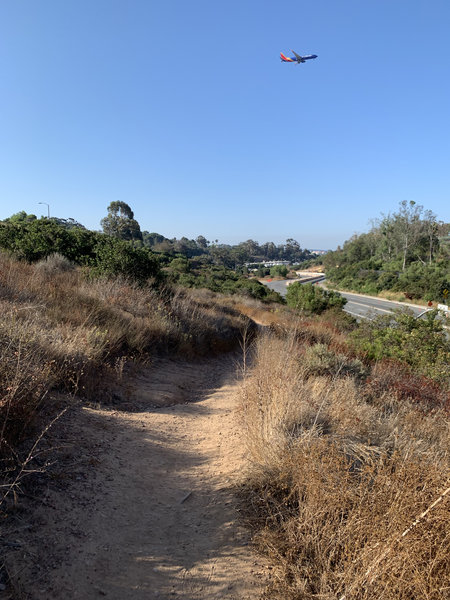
<point x="202" y="242"/>
<point x="269" y="250"/>
<point x="120" y="222"/>
<point x="431" y="228"/>
<point x="408" y="226"/>
<point x="279" y="271"/>
<point x="20" y="217"/>
<point x="387" y="232"/>
<point x="250" y="248"/>
<point x="292" y="250"/>
<point x="180" y="265"/>
<point x="67" y="223"/>
<point x="221" y="255"/>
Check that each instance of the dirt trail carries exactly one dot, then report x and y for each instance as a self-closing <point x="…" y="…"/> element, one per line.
<point x="151" y="512"/>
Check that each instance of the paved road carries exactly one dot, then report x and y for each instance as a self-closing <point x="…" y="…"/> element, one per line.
<point x="368" y="307"/>
<point x="359" y="306"/>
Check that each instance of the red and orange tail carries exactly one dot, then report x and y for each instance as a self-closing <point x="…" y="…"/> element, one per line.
<point x="285" y="58"/>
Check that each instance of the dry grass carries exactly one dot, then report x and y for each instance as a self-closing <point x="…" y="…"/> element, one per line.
<point x="60" y="330"/>
<point x="338" y="473"/>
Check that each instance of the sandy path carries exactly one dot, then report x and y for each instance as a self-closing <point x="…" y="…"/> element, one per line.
<point x="156" y="518"/>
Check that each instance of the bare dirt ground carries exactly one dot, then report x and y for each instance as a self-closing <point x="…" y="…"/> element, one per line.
<point x="147" y="508"/>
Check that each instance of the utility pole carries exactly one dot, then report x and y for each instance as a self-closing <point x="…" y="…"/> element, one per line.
<point x="48" y="209"/>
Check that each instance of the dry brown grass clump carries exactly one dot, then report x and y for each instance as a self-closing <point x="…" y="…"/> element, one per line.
<point x="337" y="482"/>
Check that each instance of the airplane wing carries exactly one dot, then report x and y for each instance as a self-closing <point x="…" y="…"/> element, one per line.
<point x="297" y="56"/>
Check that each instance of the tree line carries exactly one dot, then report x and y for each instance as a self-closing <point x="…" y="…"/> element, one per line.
<point x="120" y="251"/>
<point x="407" y="251"/>
<point x="120" y="223"/>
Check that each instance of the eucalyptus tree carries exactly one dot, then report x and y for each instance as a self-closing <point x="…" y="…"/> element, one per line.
<point x="120" y="222"/>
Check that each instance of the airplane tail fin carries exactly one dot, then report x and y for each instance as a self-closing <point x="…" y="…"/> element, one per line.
<point x="285" y="58"/>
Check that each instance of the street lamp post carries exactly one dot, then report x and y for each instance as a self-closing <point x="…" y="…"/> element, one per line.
<point x="48" y="209"/>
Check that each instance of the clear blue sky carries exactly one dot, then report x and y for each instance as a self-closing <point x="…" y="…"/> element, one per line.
<point x="184" y="111"/>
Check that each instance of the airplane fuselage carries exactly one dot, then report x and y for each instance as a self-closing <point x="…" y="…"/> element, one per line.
<point x="297" y="59"/>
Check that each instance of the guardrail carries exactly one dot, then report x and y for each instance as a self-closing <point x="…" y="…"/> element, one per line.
<point x="314" y="277"/>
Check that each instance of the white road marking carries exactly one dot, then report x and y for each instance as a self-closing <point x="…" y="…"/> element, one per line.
<point x="369" y="306"/>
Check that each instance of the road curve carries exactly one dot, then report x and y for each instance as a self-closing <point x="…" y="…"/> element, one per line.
<point x="358" y="305"/>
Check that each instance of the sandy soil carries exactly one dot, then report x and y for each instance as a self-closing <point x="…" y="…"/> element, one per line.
<point x="148" y="510"/>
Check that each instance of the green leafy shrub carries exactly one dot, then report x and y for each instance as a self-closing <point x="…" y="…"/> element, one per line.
<point x="34" y="240"/>
<point x="312" y="298"/>
<point x="319" y="360"/>
<point x="114" y="257"/>
<point x="223" y="280"/>
<point x="279" y="271"/>
<point x="421" y="343"/>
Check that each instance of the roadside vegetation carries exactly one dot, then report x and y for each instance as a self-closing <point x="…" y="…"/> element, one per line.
<point x="420" y="343"/>
<point x="313" y="299"/>
<point x="348" y="485"/>
<point x="404" y="255"/>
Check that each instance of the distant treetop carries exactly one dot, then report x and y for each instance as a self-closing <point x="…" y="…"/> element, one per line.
<point x="120" y="222"/>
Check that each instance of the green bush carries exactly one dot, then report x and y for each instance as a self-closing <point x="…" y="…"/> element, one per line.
<point x="113" y="256"/>
<point x="279" y="271"/>
<point x="312" y="298"/>
<point x="225" y="281"/>
<point x="36" y="240"/>
<point x="319" y="360"/>
<point x="421" y="343"/>
<point x="180" y="265"/>
<point x="387" y="281"/>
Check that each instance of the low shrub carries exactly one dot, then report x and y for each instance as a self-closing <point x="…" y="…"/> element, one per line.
<point x="389" y="377"/>
<point x="421" y="343"/>
<point x="312" y="299"/>
<point x="55" y="263"/>
<point x="319" y="360"/>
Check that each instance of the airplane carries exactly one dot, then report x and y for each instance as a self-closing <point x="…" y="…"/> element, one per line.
<point x="298" y="59"/>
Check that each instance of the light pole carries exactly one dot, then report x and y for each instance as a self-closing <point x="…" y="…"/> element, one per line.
<point x="48" y="209"/>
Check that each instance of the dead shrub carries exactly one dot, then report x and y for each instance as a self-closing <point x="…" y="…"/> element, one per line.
<point x="334" y="529"/>
<point x="54" y="263"/>
<point x="391" y="377"/>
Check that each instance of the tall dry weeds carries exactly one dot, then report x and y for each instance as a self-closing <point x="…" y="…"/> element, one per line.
<point x="335" y="480"/>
